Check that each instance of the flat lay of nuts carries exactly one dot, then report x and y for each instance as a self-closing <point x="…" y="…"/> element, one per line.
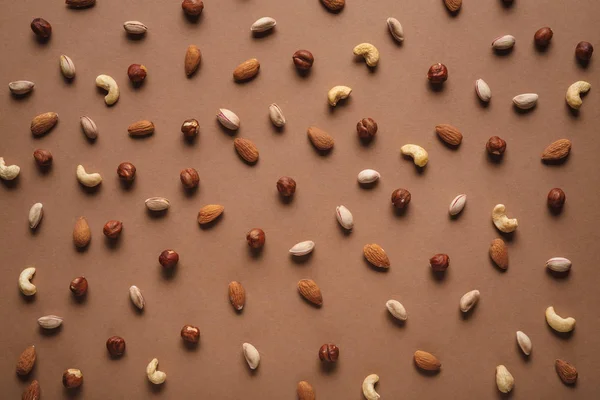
<point x="20" y="88"/>
<point x="583" y="51"/>
<point x="368" y="52"/>
<point x="276" y="115"/>
<point x="154" y="375"/>
<point x="110" y="85"/>
<point x="43" y="158"/>
<point x="439" y="262"/>
<point x="43" y="123"/>
<point x="190" y="334"/>
<point x="499" y="253"/>
<point x="449" y="134"/>
<point x="72" y="378"/>
<point x="246" y="149"/>
<point x="88" y="180"/>
<point x="115" y="346"/>
<point x="305" y="391"/>
<point x="503" y="43"/>
<point x="401" y="198"/>
<point x="137" y="73"/>
<point x="251" y="355"/>
<point x="566" y="372"/>
<point x="427" y="361"/>
<point x="559" y="264"/>
<point x="80" y="3"/>
<point x="286" y="186"/>
<point x="41" y="28"/>
<point x="79" y="286"/>
<point x="302" y="248"/>
<point x="192" y="8"/>
<point x="263" y="24"/>
<point x="344" y="217"/>
<point x="157" y="203"/>
<point x="542" y="36"/>
<point x="338" y="93"/>
<point x="126" y="171"/>
<point x="135" y="28"/>
<point x="397" y="310"/>
<point x="501" y="221"/>
<point x="89" y="128"/>
<point x="141" y="128"/>
<point x="209" y="213"/>
<point x="376" y="256"/>
<point x="556" y="151"/>
<point x="558" y="323"/>
<point x="368" y="387"/>
<point x="26" y="361"/>
<point x="193" y="58"/>
<point x="32" y="392"/>
<point x="574" y="92"/>
<point x="366" y="128"/>
<point x="67" y="67"/>
<point x="525" y="101"/>
<point x="50" y="321"/>
<point x="483" y="90"/>
<point x="237" y="295"/>
<point x="495" y="146"/>
<point x="329" y="353"/>
<point x="136" y="297"/>
<point x="524" y="343"/>
<point x="189" y="178"/>
<point x="8" y="172"/>
<point x="310" y="291"/>
<point x="246" y="70"/>
<point x="556" y="199"/>
<point x="82" y="235"/>
<point x="228" y="119"/>
<point x="334" y="5"/>
<point x="396" y="29"/>
<point x="453" y="5"/>
<point x="256" y="238"/>
<point x="468" y="300"/>
<point x="320" y="139"/>
<point x="418" y="154"/>
<point x="368" y="176"/>
<point x="36" y="212"/>
<point x="504" y="379"/>
<point x="457" y="205"/>
<point x="303" y="60"/>
<point x="190" y="128"/>
<point x="25" y="285"/>
<point x="168" y="259"/>
<point x="438" y="73"/>
<point x="112" y="229"/>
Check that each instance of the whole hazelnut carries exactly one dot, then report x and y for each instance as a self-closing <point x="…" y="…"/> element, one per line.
<point x="137" y="73"/>
<point x="329" y="352"/>
<point x="556" y="199"/>
<point x="72" y="378"/>
<point x="256" y="238"/>
<point x="168" y="258"/>
<point x="190" y="334"/>
<point x="190" y="128"/>
<point x="286" y="186"/>
<point x="193" y="8"/>
<point x="439" y="262"/>
<point x="79" y="286"/>
<point x="112" y="229"/>
<point x="189" y="178"/>
<point x="43" y="158"/>
<point x="366" y="128"/>
<point x="584" y="51"/>
<point x="126" y="171"/>
<point x="437" y="73"/>
<point x="41" y="28"/>
<point x="543" y="36"/>
<point x="303" y="60"/>
<point x="400" y="198"/>
<point x="115" y="346"/>
<point x="495" y="146"/>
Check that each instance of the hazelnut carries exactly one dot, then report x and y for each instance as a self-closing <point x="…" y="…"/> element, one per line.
<point x="303" y="60"/>
<point x="43" y="158"/>
<point x="189" y="178"/>
<point x="584" y="51"/>
<point x="286" y="186"/>
<point x="439" y="262"/>
<point x="112" y="229"/>
<point x="400" y="198"/>
<point x="190" y="334"/>
<point x="115" y="346"/>
<point x="137" y="73"/>
<point x="190" y="128"/>
<point x="79" y="286"/>
<point x="496" y="146"/>
<point x="72" y="378"/>
<point x="41" y="28"/>
<point x="168" y="258"/>
<point x="193" y="8"/>
<point x="437" y="73"/>
<point x="543" y="36"/>
<point x="366" y="128"/>
<point x="256" y="238"/>
<point x="329" y="352"/>
<point x="556" y="199"/>
<point x="126" y="171"/>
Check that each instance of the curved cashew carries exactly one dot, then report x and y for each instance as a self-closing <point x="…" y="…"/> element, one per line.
<point x="108" y="83"/>
<point x="338" y="93"/>
<point x="154" y="375"/>
<point x="419" y="155"/>
<point x="8" y="172"/>
<point x="504" y="379"/>
<point x="468" y="300"/>
<point x="369" y="53"/>
<point x="26" y="287"/>
<point x="252" y="355"/>
<point x="89" y="180"/>
<point x="558" y="323"/>
<point x="368" y="387"/>
<point x="574" y="94"/>
<point x="502" y="222"/>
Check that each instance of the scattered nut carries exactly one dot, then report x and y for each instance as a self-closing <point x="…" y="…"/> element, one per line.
<point x="190" y="334"/>
<point x="43" y="158"/>
<point x="8" y="172"/>
<point x="36" y="212"/>
<point x="310" y="291"/>
<point x="559" y="264"/>
<point x="502" y="222"/>
<point x="558" y="323"/>
<point x="439" y="262"/>
<point x="88" y="180"/>
<point x="401" y="198"/>
<point x="89" y="127"/>
<point x="115" y="346"/>
<point x="453" y="5"/>
<point x="438" y="73"/>
<point x="108" y="83"/>
<point x="26" y="361"/>
<point x="483" y="90"/>
<point x="141" y="128"/>
<point x="303" y="60"/>
<point x="25" y="285"/>
<point x="499" y="253"/>
<point x="190" y="128"/>
<point x="366" y="128"/>
<point x="368" y="176"/>
<point x="50" y="321"/>
<point x="524" y="343"/>
<point x="168" y="259"/>
<point x="556" y="151"/>
<point x="246" y="149"/>
<point x="246" y="70"/>
<point x="395" y="29"/>
<point x="525" y="101"/>
<point x="251" y="354"/>
<point x="193" y="8"/>
<point x="135" y="28"/>
<point x="449" y="134"/>
<point x="82" y="235"/>
<point x="41" y="28"/>
<point x="419" y="155"/>
<point x="344" y="217"/>
<point x="256" y="238"/>
<point x="276" y="115"/>
<point x="237" y="295"/>
<point x="368" y="387"/>
<point x="305" y="391"/>
<point x="495" y="146"/>
<point x="329" y="353"/>
<point x="376" y="256"/>
<point x="368" y="52"/>
<point x="137" y="73"/>
<point x="566" y="372"/>
<point x="574" y="91"/>
<point x="286" y="186"/>
<point x="135" y="294"/>
<point x="396" y="309"/>
<point x="20" y="88"/>
<point x="126" y="171"/>
<point x="457" y="205"/>
<point x="228" y="119"/>
<point x="542" y="37"/>
<point x="72" y="378"/>
<point x="583" y="51"/>
<point x="154" y="375"/>
<point x="427" y="361"/>
<point x="556" y="199"/>
<point x="469" y="300"/>
<point x="503" y="43"/>
<point x="263" y="24"/>
<point x="322" y="140"/>
<point x="334" y="5"/>
<point x="193" y="58"/>
<point x="32" y="392"/>
<point x="504" y="379"/>
<point x="157" y="203"/>
<point x="79" y="286"/>
<point x="302" y="248"/>
<point x="209" y="213"/>
<point x="338" y="93"/>
<point x="67" y="67"/>
<point x="43" y="123"/>
<point x="189" y="178"/>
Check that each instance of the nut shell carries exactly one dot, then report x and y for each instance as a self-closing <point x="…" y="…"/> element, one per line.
<point x="329" y="353"/>
<point x="190" y="128"/>
<point x="41" y="28"/>
<point x="334" y="5"/>
<point x="79" y="286"/>
<point x="190" y="334"/>
<point x="126" y="171"/>
<point x="438" y="73"/>
<point x="286" y="186"/>
<point x="566" y="372"/>
<point x="303" y="60"/>
<point x="112" y="229"/>
<point x="43" y="158"/>
<point x="449" y="134"/>
<point x="366" y="128"/>
<point x="401" y="198"/>
<point x="137" y="73"/>
<point x="499" y="253"/>
<point x="495" y="146"/>
<point x="246" y="149"/>
<point x="439" y="262"/>
<point x="168" y="258"/>
<point x="43" y="123"/>
<point x="256" y="238"/>
<point x="141" y="128"/>
<point x="556" y="199"/>
<point x="189" y="178"/>
<point x="193" y="8"/>
<point x="542" y="37"/>
<point x="557" y="151"/>
<point x="305" y="391"/>
<point x="115" y="346"/>
<point x="583" y="51"/>
<point x="72" y="378"/>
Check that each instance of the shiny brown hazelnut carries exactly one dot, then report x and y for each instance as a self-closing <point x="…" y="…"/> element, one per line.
<point x="79" y="286"/>
<point x="112" y="229"/>
<point x="193" y="8"/>
<point x="439" y="262"/>
<point x="366" y="128"/>
<point x="137" y="73"/>
<point x="168" y="258"/>
<point x="190" y="334"/>
<point x="126" y="171"/>
<point x="72" y="378"/>
<point x="584" y="51"/>
<point x="556" y="199"/>
<point x="543" y="36"/>
<point x="41" y="28"/>
<point x="256" y="238"/>
<point x="329" y="352"/>
<point x="115" y="346"/>
<point x="43" y="158"/>
<point x="303" y="60"/>
<point x="190" y="128"/>
<point x="286" y="186"/>
<point x="400" y="198"/>
<point x="495" y="146"/>
<point x="437" y="73"/>
<point x="189" y="178"/>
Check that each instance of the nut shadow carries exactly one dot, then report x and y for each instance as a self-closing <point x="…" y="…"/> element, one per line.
<point x="168" y="274"/>
<point x="302" y="73"/>
<point x="90" y="191"/>
<point x="495" y="159"/>
<point x="286" y="199"/>
<point x="503" y="53"/>
<point x="369" y="185"/>
<point x="582" y="63"/>
<point x="526" y="358"/>
<point x="189" y="346"/>
<point x="561" y="335"/>
<point x="341" y="102"/>
<point x="521" y="111"/>
<point x="83" y="249"/>
<point x="50" y="332"/>
<point x="112" y="244"/>
<point x="400" y="212"/>
<point x="435" y="87"/>
<point x="138" y="312"/>
<point x="504" y="395"/>
<point x="301" y="259"/>
<point x="156" y="214"/>
<point x="366" y="142"/>
<point x="227" y="131"/>
<point x="126" y="185"/>
<point x="28" y="299"/>
<point x="561" y="276"/>
<point x="448" y="145"/>
<point x="380" y="270"/>
<point x="395" y="321"/>
<point x="313" y="305"/>
<point x="155" y="388"/>
<point x="255" y="254"/>
<point x="135" y="37"/>
<point x="193" y="19"/>
<point x="425" y="372"/>
<point x="190" y="192"/>
<point x="438" y="276"/>
<point x="465" y="316"/>
<point x="554" y="163"/>
<point x="11" y="185"/>
<point x="212" y="223"/>
<point x="79" y="300"/>
<point x="265" y="34"/>
<point x="344" y="231"/>
<point x="327" y="368"/>
<point x="73" y="393"/>
<point x="248" y="163"/>
<point x="22" y="97"/>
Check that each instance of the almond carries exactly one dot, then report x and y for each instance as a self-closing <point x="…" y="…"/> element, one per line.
<point x="305" y="391"/>
<point x="557" y="151"/>
<point x="310" y="291"/>
<point x="320" y="139"/>
<point x="32" y="392"/>
<point x="237" y="295"/>
<point x="246" y="149"/>
<point x="427" y="361"/>
<point x="193" y="57"/>
<point x="81" y="233"/>
<point x="376" y="256"/>
<point x="42" y="123"/>
<point x="334" y="5"/>
<point x="26" y="361"/>
<point x="449" y="134"/>
<point x="499" y="253"/>
<point x="566" y="372"/>
<point x="141" y="128"/>
<point x="209" y="213"/>
<point x="453" y="5"/>
<point x="246" y="70"/>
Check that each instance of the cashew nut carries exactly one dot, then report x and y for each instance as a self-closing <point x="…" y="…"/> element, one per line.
<point x="252" y="355"/>
<point x="155" y="376"/>
<point x="468" y="300"/>
<point x="558" y="323"/>
<point x="89" y="180"/>
<point x="8" y="172"/>
<point x="504" y="379"/>
<point x="338" y="93"/>
<point x="419" y="155"/>
<point x="574" y="94"/>
<point x="369" y="53"/>
<point x="25" y="285"/>
<point x="108" y="83"/>
<point x="368" y="387"/>
<point x="502" y="222"/>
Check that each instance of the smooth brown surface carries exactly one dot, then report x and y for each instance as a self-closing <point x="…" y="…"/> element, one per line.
<point x="284" y="328"/>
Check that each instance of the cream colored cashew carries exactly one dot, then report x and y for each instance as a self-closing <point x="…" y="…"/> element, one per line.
<point x="154" y="375"/>
<point x="89" y="180"/>
<point x="469" y="300"/>
<point x="419" y="155"/>
<point x="108" y="83"/>
<point x="25" y="285"/>
<point x="558" y="323"/>
<point x="369" y="53"/>
<point x="338" y="93"/>
<point x="8" y="172"/>
<point x="574" y="94"/>
<point x="368" y="387"/>
<point x="502" y="222"/>
<point x="252" y="355"/>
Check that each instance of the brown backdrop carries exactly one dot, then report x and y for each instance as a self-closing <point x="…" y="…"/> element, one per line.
<point x="286" y="330"/>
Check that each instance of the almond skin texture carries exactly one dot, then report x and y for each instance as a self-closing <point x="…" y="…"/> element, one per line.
<point x="246" y="149"/>
<point x="334" y="5"/>
<point x="499" y="253"/>
<point x="376" y="256"/>
<point x="237" y="295"/>
<point x="246" y="70"/>
<point x="305" y="391"/>
<point x="26" y="361"/>
<point x="449" y="134"/>
<point x="557" y="151"/>
<point x="320" y="139"/>
<point x="209" y="213"/>
<point x="310" y="291"/>
<point x="43" y="123"/>
<point x="193" y="58"/>
<point x="453" y="5"/>
<point x="141" y="128"/>
<point x="81" y="233"/>
<point x="32" y="392"/>
<point x="566" y="372"/>
<point x="427" y="361"/>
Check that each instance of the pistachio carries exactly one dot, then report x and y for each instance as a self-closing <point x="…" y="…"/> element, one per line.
<point x="344" y="217"/>
<point x="228" y="119"/>
<point x="135" y="28"/>
<point x="263" y="24"/>
<point x="368" y="176"/>
<point x="276" y="115"/>
<point x="20" y="88"/>
<point x="525" y="101"/>
<point x="483" y="90"/>
<point x="503" y="42"/>
<point x="135" y="294"/>
<point x="35" y="215"/>
<point x="395" y="29"/>
<point x="67" y="67"/>
<point x="50" y="321"/>
<point x="302" y="248"/>
<point x="558" y="264"/>
<point x="157" y="203"/>
<point x="89" y="127"/>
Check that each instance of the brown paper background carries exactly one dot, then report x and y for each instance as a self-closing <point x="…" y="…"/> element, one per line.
<point x="286" y="330"/>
